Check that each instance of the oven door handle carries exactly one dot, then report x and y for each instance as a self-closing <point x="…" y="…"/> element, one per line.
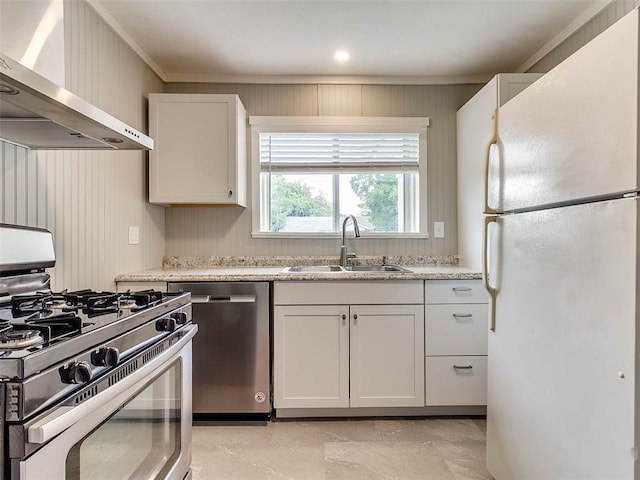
<point x="66" y="416"/>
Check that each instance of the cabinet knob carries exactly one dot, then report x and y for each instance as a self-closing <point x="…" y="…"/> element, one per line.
<point x="344" y="317"/>
<point x="355" y="316"/>
<point x="230" y="193"/>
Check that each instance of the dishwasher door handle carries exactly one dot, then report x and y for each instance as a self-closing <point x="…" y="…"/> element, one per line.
<point x="223" y="299"/>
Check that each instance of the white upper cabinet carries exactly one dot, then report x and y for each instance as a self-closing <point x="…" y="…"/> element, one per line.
<point x="200" y="149"/>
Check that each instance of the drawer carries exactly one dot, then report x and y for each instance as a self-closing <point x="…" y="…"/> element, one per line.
<point x="336" y="292"/>
<point x="455" y="291"/>
<point x="447" y="385"/>
<point x="456" y="329"/>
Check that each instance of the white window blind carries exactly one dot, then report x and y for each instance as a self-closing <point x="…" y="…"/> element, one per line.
<point x="282" y="152"/>
<point x="309" y="172"/>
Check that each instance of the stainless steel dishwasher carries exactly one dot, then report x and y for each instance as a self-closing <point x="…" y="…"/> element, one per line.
<point x="231" y="352"/>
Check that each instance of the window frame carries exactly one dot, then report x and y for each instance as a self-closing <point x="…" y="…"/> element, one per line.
<point x="322" y="124"/>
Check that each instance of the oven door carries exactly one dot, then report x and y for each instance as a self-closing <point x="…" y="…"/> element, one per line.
<point x="139" y="428"/>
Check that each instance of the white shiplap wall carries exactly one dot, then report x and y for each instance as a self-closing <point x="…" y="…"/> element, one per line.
<point x="88" y="199"/>
<point x="227" y="231"/>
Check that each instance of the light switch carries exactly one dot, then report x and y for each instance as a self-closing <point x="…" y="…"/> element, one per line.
<point x="438" y="229"/>
<point x="134" y="235"/>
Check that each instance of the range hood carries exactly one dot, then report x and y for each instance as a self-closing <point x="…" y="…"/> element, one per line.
<point x="38" y="114"/>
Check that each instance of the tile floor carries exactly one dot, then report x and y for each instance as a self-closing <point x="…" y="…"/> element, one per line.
<point x="380" y="449"/>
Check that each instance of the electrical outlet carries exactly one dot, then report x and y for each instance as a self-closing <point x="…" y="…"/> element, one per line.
<point x="438" y="229"/>
<point x="134" y="235"/>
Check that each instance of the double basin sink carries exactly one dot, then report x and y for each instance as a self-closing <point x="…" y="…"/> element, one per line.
<point x="351" y="268"/>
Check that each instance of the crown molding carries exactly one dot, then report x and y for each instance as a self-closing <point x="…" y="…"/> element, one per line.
<point x="117" y="27"/>
<point x="330" y="79"/>
<point x="569" y="30"/>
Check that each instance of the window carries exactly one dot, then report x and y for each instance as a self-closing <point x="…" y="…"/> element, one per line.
<point x="311" y="172"/>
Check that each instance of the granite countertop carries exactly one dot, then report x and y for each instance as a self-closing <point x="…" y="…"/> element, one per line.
<point x="197" y="269"/>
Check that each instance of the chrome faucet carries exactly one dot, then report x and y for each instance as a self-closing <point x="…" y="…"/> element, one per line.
<point x="344" y="256"/>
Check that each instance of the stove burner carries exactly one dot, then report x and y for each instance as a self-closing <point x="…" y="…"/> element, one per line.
<point x="102" y="303"/>
<point x="22" y="305"/>
<point x="20" y="339"/>
<point x="52" y="317"/>
<point x="91" y="302"/>
<point x="141" y="300"/>
<point x="5" y="325"/>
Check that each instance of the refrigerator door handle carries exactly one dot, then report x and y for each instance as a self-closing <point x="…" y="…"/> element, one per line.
<point x="487" y="159"/>
<point x="485" y="271"/>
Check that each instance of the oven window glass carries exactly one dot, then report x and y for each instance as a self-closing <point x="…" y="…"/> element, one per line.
<point x="140" y="441"/>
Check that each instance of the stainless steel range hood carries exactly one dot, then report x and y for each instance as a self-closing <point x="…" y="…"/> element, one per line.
<point x="38" y="114"/>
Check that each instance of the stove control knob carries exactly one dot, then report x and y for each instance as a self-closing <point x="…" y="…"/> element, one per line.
<point x="166" y="324"/>
<point x="106" y="357"/>
<point x="179" y="317"/>
<point x="77" y="372"/>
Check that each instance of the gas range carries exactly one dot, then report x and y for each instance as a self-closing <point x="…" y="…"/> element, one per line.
<point x="66" y="354"/>
<point x="53" y="343"/>
<point x="43" y="328"/>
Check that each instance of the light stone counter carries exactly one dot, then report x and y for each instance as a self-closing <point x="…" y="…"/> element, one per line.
<point x="252" y="274"/>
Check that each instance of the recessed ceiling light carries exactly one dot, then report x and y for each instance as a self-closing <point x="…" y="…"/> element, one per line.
<point x="341" y="56"/>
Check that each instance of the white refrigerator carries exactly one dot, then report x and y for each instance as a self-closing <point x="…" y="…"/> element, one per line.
<point x="562" y="267"/>
<point x="473" y="127"/>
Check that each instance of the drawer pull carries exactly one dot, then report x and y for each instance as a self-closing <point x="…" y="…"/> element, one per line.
<point x="463" y="367"/>
<point x="462" y="315"/>
<point x="223" y="298"/>
<point x="461" y="289"/>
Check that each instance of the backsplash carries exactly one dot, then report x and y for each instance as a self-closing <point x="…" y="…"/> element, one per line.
<point x="284" y="261"/>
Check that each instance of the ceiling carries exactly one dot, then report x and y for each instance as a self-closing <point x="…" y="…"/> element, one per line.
<point x="236" y="40"/>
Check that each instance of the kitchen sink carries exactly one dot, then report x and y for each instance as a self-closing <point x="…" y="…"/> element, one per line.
<point x="313" y="269"/>
<point x="338" y="269"/>
<point x="377" y="269"/>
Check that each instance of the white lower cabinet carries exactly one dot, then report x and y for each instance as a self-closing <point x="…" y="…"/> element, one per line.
<point x="386" y="356"/>
<point x="456" y="318"/>
<point x="456" y="380"/>
<point x="311" y="356"/>
<point x="352" y="355"/>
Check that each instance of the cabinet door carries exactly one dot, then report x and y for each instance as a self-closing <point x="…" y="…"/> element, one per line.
<point x="387" y="355"/>
<point x="199" y="154"/>
<point x="311" y="356"/>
